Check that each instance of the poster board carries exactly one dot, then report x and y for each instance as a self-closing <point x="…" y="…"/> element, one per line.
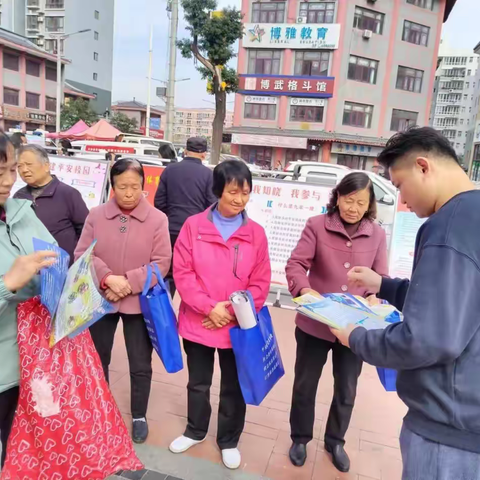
<point x="87" y="176"/>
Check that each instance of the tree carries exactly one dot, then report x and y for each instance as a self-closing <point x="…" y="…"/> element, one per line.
<point x="76" y="110"/>
<point x="213" y="35"/>
<point x="124" y="123"/>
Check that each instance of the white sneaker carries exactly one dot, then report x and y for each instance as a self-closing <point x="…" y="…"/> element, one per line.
<point x="183" y="443"/>
<point x="231" y="458"/>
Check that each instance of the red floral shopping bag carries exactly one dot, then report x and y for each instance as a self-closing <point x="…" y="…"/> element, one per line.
<point x="67" y="424"/>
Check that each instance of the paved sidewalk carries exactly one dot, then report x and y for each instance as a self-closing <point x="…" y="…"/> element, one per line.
<point x="372" y="440"/>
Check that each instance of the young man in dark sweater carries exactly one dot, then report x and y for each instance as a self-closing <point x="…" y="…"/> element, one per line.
<point x="436" y="349"/>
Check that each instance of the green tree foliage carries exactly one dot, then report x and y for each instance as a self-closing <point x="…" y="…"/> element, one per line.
<point x="213" y="35"/>
<point x="124" y="123"/>
<point x="76" y="110"/>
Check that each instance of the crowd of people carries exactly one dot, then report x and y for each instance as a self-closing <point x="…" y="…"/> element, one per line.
<point x="201" y="238"/>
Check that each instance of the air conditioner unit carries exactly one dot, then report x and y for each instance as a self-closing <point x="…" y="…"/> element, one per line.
<point x="40" y="42"/>
<point x="301" y="19"/>
<point x="40" y="19"/>
<point x="367" y="34"/>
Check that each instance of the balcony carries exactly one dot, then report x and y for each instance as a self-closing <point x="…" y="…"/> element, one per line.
<point x="55" y="4"/>
<point x="33" y="3"/>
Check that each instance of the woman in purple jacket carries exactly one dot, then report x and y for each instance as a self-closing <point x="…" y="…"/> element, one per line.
<point x="330" y="245"/>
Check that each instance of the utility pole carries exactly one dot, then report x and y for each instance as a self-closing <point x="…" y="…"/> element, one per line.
<point x="149" y="94"/>
<point x="172" y="67"/>
<point x="58" y="108"/>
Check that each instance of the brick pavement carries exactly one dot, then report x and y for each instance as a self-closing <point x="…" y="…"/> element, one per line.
<point x="372" y="440"/>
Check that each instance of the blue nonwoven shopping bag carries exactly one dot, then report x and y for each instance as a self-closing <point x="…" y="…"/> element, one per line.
<point x="258" y="359"/>
<point x="161" y="321"/>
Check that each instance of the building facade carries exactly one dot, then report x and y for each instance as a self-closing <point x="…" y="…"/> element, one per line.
<point x="196" y="122"/>
<point x="90" y="54"/>
<point x="332" y="80"/>
<point x="454" y="96"/>
<point x="138" y="111"/>
<point x="28" y="85"/>
<point x="472" y="150"/>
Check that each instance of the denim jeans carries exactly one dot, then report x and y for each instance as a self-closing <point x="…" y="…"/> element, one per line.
<point x="426" y="460"/>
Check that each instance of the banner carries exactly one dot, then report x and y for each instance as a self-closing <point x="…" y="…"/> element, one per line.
<point x="87" y="176"/>
<point x="152" y="179"/>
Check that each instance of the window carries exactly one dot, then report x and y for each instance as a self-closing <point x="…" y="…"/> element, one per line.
<point x="318" y="12"/>
<point x="459" y="133"/>
<point x="402" y="120"/>
<point x="428" y="4"/>
<point x="409" y="79"/>
<point x="51" y="46"/>
<point x="50" y="104"/>
<point x="10" y="61"/>
<point x="469" y="72"/>
<point x="97" y="15"/>
<point x="54" y="24"/>
<point x="362" y="69"/>
<point x="312" y="63"/>
<point x="415" y="33"/>
<point x="51" y="73"/>
<point x="357" y="115"/>
<point x="368" y="20"/>
<point x="95" y="76"/>
<point x="10" y="96"/>
<point x="55" y="3"/>
<point x="273" y="12"/>
<point x="32" y="22"/>
<point x="95" y="35"/>
<point x="33" y="68"/>
<point x="95" y="56"/>
<point x="33" y="100"/>
<point x="467" y="84"/>
<point x="301" y="113"/>
<point x="265" y="62"/>
<point x="258" y="155"/>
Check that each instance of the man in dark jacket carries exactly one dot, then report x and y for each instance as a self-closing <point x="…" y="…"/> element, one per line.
<point x="185" y="189"/>
<point x="436" y="349"/>
<point x="59" y="206"/>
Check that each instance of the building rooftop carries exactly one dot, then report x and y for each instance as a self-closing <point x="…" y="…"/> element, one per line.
<point x="449" y="8"/>
<point x="136" y="105"/>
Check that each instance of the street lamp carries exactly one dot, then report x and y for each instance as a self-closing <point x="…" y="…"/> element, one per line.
<point x="59" y="37"/>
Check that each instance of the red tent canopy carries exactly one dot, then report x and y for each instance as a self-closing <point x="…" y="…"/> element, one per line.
<point x="101" y="131"/>
<point x="79" y="127"/>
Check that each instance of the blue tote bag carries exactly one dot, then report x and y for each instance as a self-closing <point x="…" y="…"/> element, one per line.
<point x="258" y="359"/>
<point x="161" y="321"/>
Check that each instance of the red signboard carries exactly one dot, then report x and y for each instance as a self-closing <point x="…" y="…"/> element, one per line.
<point x="321" y="87"/>
<point x="158" y="134"/>
<point x="118" y="148"/>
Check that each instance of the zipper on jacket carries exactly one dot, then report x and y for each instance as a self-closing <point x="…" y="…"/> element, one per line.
<point x="10" y="238"/>
<point x="235" y="262"/>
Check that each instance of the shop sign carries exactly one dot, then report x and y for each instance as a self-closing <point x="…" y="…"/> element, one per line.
<point x="321" y="87"/>
<point x="269" y="141"/>
<point x="291" y="35"/>
<point x="352" y="149"/>
<point x="37" y="117"/>
<point x="309" y="102"/>
<point x="262" y="100"/>
<point x="19" y="114"/>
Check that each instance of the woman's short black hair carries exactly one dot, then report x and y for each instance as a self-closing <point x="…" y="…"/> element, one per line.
<point x="66" y="146"/>
<point x="167" y="152"/>
<point x="17" y="139"/>
<point x="231" y="171"/>
<point x="124" y="164"/>
<point x="5" y="142"/>
<point x="352" y="183"/>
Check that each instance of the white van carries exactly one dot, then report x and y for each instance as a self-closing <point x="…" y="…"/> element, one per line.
<point x="122" y="148"/>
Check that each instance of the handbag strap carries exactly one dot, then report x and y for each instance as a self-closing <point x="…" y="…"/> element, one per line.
<point x="157" y="273"/>
<point x="161" y="282"/>
<point x="148" y="281"/>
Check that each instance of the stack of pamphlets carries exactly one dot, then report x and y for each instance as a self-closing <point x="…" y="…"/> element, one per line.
<point x="339" y="310"/>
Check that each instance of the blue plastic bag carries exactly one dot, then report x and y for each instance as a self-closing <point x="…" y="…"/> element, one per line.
<point x="258" y="359"/>
<point x="161" y="321"/>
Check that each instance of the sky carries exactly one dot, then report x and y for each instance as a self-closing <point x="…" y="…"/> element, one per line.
<point x="132" y="30"/>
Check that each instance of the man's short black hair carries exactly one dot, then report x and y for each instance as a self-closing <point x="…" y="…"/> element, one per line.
<point x="17" y="139"/>
<point x="416" y="139"/>
<point x="231" y="171"/>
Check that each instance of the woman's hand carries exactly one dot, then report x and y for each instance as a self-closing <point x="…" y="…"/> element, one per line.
<point x="220" y="316"/>
<point x="309" y="291"/>
<point x="118" y="285"/>
<point x="24" y="268"/>
<point x="111" y="296"/>
<point x="209" y="325"/>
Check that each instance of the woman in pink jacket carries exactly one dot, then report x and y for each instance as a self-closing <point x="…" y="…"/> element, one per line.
<point x="130" y="234"/>
<point x="217" y="253"/>
<point x="330" y="246"/>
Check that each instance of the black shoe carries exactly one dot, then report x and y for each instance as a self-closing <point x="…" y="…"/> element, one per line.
<point x="140" y="431"/>
<point x="298" y="454"/>
<point x="339" y="457"/>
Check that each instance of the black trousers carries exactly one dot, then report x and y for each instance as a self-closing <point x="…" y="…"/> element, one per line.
<point x="312" y="355"/>
<point x="232" y="408"/>
<point x="8" y="404"/>
<point x="169" y="277"/>
<point x="139" y="351"/>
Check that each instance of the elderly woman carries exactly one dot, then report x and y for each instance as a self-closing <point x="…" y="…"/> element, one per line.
<point x="329" y="246"/>
<point x="217" y="253"/>
<point x="130" y="234"/>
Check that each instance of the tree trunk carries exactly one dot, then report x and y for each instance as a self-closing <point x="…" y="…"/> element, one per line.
<point x="218" y="122"/>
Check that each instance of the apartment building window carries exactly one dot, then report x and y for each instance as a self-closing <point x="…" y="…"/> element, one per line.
<point x="428" y="4"/>
<point x="273" y="12"/>
<point x="54" y="24"/>
<point x="33" y="100"/>
<point x="266" y="62"/>
<point x="312" y="63"/>
<point x="415" y="33"/>
<point x="51" y="73"/>
<point x="257" y="155"/>
<point x="51" y="46"/>
<point x="409" y="79"/>
<point x="95" y="56"/>
<point x="11" y="96"/>
<point x="50" y="104"/>
<point x="357" y="115"/>
<point x="54" y="3"/>
<point x="33" y="68"/>
<point x="362" y="69"/>
<point x="402" y="120"/>
<point x="32" y="22"/>
<point x="11" y="62"/>
<point x="301" y="113"/>
<point x="97" y="15"/>
<point x="95" y="35"/>
<point x="365" y="19"/>
<point x="95" y="76"/>
<point x="318" y="12"/>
